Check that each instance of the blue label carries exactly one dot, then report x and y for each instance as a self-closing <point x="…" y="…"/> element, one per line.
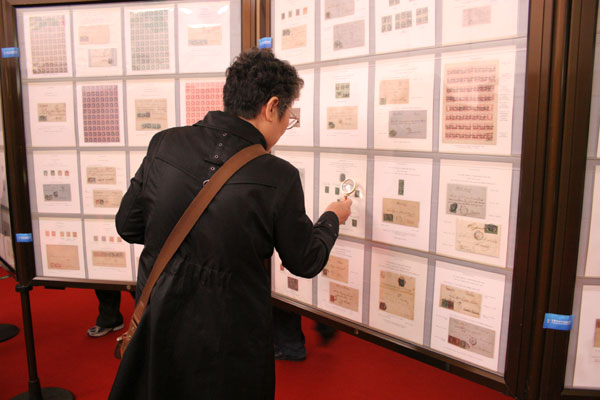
<point x="10" y="52"/>
<point x="24" y="237"/>
<point x="265" y="43"/>
<point x="558" y="322"/>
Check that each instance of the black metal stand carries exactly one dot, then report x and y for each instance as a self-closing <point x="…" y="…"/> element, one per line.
<point x="8" y="332"/>
<point x="35" y="391"/>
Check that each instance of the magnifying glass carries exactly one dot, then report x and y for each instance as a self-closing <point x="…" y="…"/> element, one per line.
<point x="348" y="187"/>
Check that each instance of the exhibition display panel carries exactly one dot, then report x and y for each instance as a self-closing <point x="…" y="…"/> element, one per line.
<point x="98" y="81"/>
<point x="426" y="116"/>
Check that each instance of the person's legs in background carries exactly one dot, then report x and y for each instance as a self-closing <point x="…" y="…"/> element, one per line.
<point x="109" y="316"/>
<point x="326" y="332"/>
<point x="287" y="332"/>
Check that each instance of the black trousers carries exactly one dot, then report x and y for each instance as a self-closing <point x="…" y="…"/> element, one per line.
<point x="287" y="332"/>
<point x="109" y="315"/>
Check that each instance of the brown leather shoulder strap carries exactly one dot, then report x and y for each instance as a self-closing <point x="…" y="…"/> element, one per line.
<point x="189" y="218"/>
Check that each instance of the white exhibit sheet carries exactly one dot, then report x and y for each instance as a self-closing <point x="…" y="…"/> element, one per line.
<point x="51" y="114"/>
<point x="135" y="162"/>
<point x="100" y="113"/>
<point x="294" y="30"/>
<point x="56" y="181"/>
<point x="468" y="21"/>
<point x="7" y="243"/>
<point x="587" y="361"/>
<point x="403" y="110"/>
<point x="108" y="256"/>
<point x="402" y="25"/>
<point x="103" y="181"/>
<point x="592" y="264"/>
<point x="334" y="169"/>
<point x="288" y="284"/>
<point x="467" y="314"/>
<point x="302" y="134"/>
<point x="476" y="101"/>
<point x="61" y="243"/>
<point x="150" y="40"/>
<point x="8" y="254"/>
<point x="5" y="226"/>
<point x="151" y="108"/>
<point x="340" y="284"/>
<point x="48" y="44"/>
<point x="343" y="102"/>
<point x="344" y="28"/>
<point x="398" y="291"/>
<point x="402" y="201"/>
<point x="97" y="41"/>
<point x="204" y="36"/>
<point x="305" y="163"/>
<point x="199" y="96"/>
<point x="474" y="210"/>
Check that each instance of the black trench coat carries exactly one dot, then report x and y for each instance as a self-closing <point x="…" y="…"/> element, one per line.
<point x="207" y="331"/>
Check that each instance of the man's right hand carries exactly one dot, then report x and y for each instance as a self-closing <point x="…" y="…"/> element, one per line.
<point x="341" y="209"/>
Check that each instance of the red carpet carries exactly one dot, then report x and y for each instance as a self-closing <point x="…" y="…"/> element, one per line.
<point x="347" y="368"/>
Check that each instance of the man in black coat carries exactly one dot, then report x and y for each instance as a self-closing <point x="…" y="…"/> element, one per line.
<point x="207" y="332"/>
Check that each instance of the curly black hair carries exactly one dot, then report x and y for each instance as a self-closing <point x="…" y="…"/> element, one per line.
<point x="253" y="78"/>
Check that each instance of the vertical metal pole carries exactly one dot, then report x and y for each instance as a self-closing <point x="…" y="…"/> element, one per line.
<point x="35" y="390"/>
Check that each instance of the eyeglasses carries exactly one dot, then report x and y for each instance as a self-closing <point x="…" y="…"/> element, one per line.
<point x="294" y="120"/>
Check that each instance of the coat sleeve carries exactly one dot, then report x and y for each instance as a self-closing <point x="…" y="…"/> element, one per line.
<point x="130" y="221"/>
<point x="303" y="247"/>
<point x="130" y="217"/>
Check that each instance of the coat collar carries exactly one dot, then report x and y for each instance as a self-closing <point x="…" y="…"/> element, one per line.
<point x="231" y="124"/>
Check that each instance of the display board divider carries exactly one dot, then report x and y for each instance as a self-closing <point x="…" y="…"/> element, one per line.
<point x="573" y="146"/>
<point x="543" y="111"/>
<point x="250" y="33"/>
<point x="57" y="283"/>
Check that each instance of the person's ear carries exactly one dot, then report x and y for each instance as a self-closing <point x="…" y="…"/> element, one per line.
<point x="272" y="109"/>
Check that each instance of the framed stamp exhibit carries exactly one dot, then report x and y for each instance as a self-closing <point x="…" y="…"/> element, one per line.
<point x="403" y="102"/>
<point x="48" y="50"/>
<point x="99" y="80"/>
<point x="98" y="42"/>
<point x="426" y="115"/>
<point x="402" y="25"/>
<point x="154" y="105"/>
<point x="302" y="133"/>
<point x="398" y="294"/>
